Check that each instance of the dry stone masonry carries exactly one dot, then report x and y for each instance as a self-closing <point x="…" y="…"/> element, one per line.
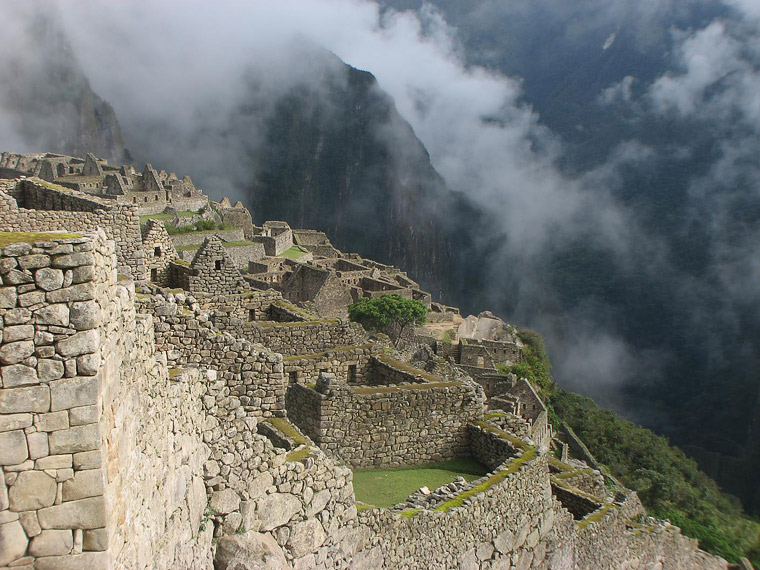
<point x="211" y="426"/>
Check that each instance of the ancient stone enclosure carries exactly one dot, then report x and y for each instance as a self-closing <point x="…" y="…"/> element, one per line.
<point x="162" y="413"/>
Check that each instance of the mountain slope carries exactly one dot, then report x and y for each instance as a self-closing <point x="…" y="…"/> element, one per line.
<point x="47" y="98"/>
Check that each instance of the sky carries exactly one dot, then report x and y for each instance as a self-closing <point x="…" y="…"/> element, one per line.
<point x="174" y="71"/>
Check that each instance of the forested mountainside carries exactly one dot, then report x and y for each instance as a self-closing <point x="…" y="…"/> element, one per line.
<point x="47" y="101"/>
<point x="608" y="78"/>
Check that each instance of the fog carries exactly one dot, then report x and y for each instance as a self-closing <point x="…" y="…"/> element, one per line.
<point x="176" y="72"/>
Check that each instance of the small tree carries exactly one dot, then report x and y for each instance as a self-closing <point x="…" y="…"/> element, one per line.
<point x="390" y="314"/>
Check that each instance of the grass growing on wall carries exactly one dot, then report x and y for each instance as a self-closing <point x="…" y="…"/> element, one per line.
<point x="7" y="238"/>
<point x="388" y="487"/>
<point x="293" y="252"/>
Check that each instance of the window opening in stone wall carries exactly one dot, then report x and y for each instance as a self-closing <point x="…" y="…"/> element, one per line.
<point x="217" y="264"/>
<point x="154" y="274"/>
<point x="293" y="377"/>
<point x="251" y="314"/>
<point x="157" y="251"/>
<point x="352" y="373"/>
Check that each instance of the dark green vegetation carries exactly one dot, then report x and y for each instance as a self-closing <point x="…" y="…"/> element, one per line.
<point x="668" y="482"/>
<point x="391" y="314"/>
<point x="388" y="487"/>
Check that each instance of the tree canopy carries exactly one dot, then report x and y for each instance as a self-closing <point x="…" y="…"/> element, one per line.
<point x="390" y="314"/>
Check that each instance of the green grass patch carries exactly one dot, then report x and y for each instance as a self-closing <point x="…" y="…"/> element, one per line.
<point x="294" y="252"/>
<point x="388" y="487"/>
<point x="192" y="247"/>
<point x="7" y="238"/>
<point x="237" y="243"/>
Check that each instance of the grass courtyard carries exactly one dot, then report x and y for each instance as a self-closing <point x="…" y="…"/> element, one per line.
<point x="388" y="487"/>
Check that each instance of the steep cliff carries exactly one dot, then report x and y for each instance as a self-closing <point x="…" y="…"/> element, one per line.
<point x="47" y="99"/>
<point x="340" y="158"/>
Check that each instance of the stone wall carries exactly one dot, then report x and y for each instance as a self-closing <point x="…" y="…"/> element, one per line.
<point x="159" y="252"/>
<point x="184" y="332"/>
<point x="79" y="213"/>
<point x="350" y="364"/>
<point x="77" y="372"/>
<point x="197" y="238"/>
<point x="387" y="426"/>
<point x="241" y="255"/>
<point x="291" y="339"/>
<point x="509" y="525"/>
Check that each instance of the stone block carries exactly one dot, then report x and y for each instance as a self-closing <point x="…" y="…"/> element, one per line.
<point x="13" y="449"/>
<point x="84" y="484"/>
<point x="73" y="260"/>
<point x="84" y="415"/>
<point x="32" y="490"/>
<point x="38" y="445"/>
<point x="85" y="316"/>
<point x="87" y="460"/>
<point x="8" y="297"/>
<point x="18" y="316"/>
<point x="48" y="279"/>
<point x="85" y="342"/>
<point x="48" y="370"/>
<point x="306" y="537"/>
<point x="224" y="502"/>
<point x="34" y="261"/>
<point x="88" y="364"/>
<point x="75" y="392"/>
<point x="19" y="375"/>
<point x="82" y="292"/>
<point x="30" y="523"/>
<point x="56" y="315"/>
<point x="249" y="551"/>
<point x="12" y="422"/>
<point x="22" y="400"/>
<point x="276" y="510"/>
<point x="54" y="462"/>
<point x="75" y="439"/>
<point x="4" y="503"/>
<point x="95" y="540"/>
<point x="54" y="421"/>
<point x="52" y="543"/>
<point x="18" y="332"/>
<point x="84" y="561"/>
<point x="13" y="542"/>
<point x="85" y="514"/>
<point x="15" y="352"/>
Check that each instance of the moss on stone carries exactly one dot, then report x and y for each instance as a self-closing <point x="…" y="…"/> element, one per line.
<point x="287" y="429"/>
<point x="596" y="516"/>
<point x="494" y="415"/>
<point x="392" y="362"/>
<point x="299" y="454"/>
<point x="7" y="238"/>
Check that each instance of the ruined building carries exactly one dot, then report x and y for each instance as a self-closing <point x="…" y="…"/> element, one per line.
<point x="162" y="413"/>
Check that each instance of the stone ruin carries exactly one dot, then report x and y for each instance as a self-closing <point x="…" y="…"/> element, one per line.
<point x="211" y="425"/>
